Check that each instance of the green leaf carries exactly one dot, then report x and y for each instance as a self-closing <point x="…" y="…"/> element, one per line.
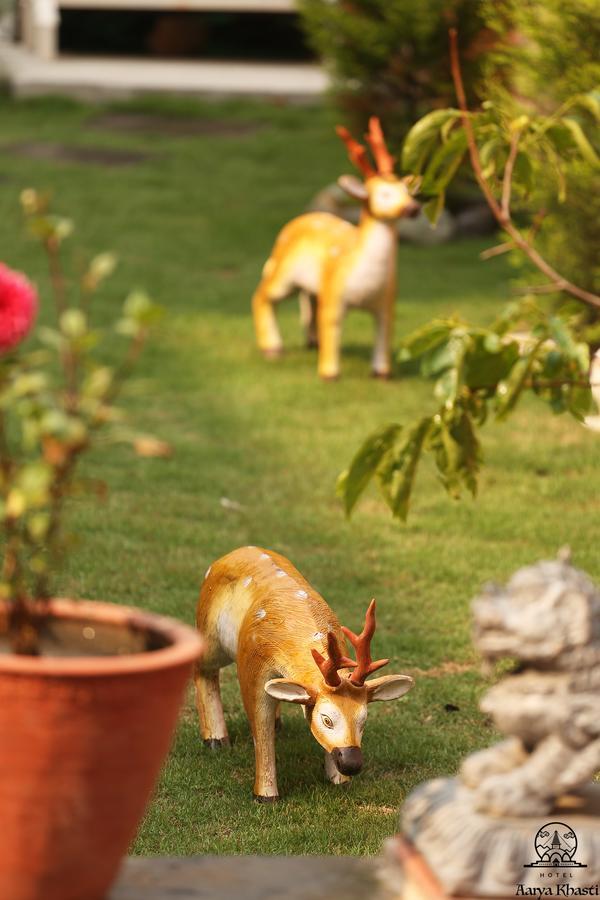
<point x="510" y="390"/>
<point x="424" y="133"/>
<point x="33" y="481"/>
<point x="102" y="266"/>
<point x="426" y="338"/>
<point x="465" y="435"/>
<point x="444" y="163"/>
<point x="581" y="141"/>
<point x="564" y="338"/>
<point x="524" y="174"/>
<point x="433" y="208"/>
<point x="354" y="480"/>
<point x="489" y="361"/>
<point x="73" y="323"/>
<point x="590" y="102"/>
<point x="579" y="401"/>
<point x="488" y="155"/>
<point x="98" y="382"/>
<point x="457" y="451"/>
<point x="398" y="469"/>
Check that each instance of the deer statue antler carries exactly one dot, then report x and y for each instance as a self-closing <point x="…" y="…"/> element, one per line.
<point x="362" y="644"/>
<point x="376" y="141"/>
<point x="384" y="161"/>
<point x="329" y="667"/>
<point x="356" y="152"/>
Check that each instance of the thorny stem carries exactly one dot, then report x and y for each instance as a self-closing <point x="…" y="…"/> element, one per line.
<point x="57" y="280"/>
<point x="502" y="212"/>
<point x="41" y="587"/>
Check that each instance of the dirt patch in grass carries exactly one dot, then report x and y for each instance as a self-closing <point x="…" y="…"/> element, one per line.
<point x="172" y="126"/>
<point x="93" y="156"/>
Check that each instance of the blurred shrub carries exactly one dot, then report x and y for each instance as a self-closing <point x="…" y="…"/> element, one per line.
<point x="390" y="57"/>
<point x="556" y="57"/>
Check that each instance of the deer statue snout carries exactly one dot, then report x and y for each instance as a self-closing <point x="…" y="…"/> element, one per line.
<point x="348" y="760"/>
<point x="412" y="209"/>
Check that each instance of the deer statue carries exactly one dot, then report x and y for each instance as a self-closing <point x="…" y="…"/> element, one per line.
<point x="336" y="265"/>
<point x="256" y="609"/>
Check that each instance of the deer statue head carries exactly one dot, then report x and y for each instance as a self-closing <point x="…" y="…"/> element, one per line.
<point x="385" y="195"/>
<point x="336" y="705"/>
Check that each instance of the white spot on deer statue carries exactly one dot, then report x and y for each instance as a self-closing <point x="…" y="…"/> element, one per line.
<point x="336" y="265"/>
<point x="289" y="646"/>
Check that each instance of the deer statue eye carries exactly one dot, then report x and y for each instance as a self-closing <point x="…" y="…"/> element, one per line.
<point x="326" y="721"/>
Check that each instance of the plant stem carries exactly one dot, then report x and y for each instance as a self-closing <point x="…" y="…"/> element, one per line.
<point x="57" y="280"/>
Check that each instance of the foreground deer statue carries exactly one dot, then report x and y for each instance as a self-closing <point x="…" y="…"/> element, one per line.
<point x="256" y="609"/>
<point x="336" y="265"/>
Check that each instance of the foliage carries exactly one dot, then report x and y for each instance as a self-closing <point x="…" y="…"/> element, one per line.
<point x="390" y="57"/>
<point x="509" y="154"/>
<point x="555" y="58"/>
<point x="478" y="372"/>
<point x="544" y="145"/>
<point x="57" y="402"/>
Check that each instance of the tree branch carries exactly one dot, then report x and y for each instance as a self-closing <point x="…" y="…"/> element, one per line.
<point x="501" y="215"/>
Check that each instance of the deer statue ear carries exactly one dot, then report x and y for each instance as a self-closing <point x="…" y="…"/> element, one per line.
<point x="388" y="687"/>
<point x="282" y="689"/>
<point x="353" y="186"/>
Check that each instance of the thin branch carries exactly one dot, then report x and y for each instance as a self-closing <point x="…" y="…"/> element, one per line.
<point x="499" y="213"/>
<point x="498" y="250"/>
<point x="549" y="287"/>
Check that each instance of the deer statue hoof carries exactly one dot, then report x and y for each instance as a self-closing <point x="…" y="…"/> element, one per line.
<point x="382" y="376"/>
<point x="329" y="377"/>
<point x="217" y="743"/>
<point x="262" y="798"/>
<point x="273" y="352"/>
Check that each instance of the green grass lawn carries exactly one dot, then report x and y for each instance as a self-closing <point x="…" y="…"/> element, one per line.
<point x="193" y="223"/>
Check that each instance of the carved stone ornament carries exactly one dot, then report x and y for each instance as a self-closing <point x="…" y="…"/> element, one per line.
<point x="523" y="814"/>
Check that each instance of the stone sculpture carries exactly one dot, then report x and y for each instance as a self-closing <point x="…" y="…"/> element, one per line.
<point x="524" y="814"/>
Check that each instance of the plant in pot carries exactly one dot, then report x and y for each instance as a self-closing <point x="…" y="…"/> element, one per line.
<point x="89" y="692"/>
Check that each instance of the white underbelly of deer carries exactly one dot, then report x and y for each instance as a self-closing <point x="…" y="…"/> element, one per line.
<point x="306" y="273"/>
<point x="367" y="278"/>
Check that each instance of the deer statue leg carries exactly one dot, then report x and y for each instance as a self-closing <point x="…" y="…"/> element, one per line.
<point x="268" y="336"/>
<point x="329" y="324"/>
<point x="308" y="318"/>
<point x="384" y="332"/>
<point x="260" y="709"/>
<point x="210" y="709"/>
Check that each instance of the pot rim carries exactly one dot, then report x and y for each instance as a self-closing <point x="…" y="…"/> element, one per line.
<point x="185" y="644"/>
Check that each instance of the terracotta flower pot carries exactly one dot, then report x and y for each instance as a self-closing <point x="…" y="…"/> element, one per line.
<point x="82" y="740"/>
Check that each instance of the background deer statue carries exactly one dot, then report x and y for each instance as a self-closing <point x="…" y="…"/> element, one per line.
<point x="256" y="609"/>
<point x="336" y="265"/>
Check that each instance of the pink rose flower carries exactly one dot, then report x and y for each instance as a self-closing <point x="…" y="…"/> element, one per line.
<point x="18" y="307"/>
